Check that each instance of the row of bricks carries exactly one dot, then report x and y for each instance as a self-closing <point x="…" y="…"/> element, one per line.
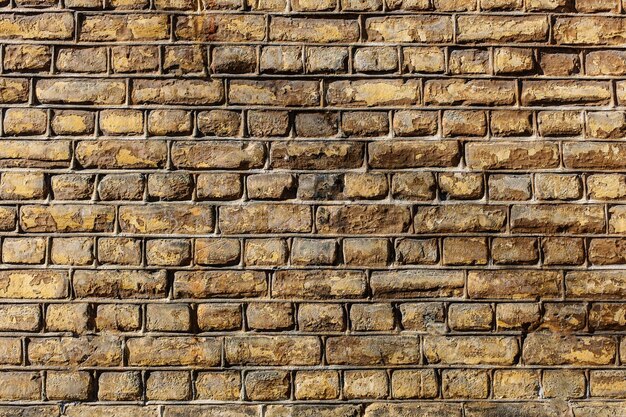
<point x="404" y="186"/>
<point x="431" y="317"/>
<point x="106" y="351"/>
<point x="567" y="6"/>
<point x="279" y="123"/>
<point x="281" y="59"/>
<point x="275" y="252"/>
<point x="372" y="92"/>
<point x="314" y="284"/>
<point x="375" y="409"/>
<point x="124" y="154"/>
<point x="253" y="27"/>
<point x="326" y="385"/>
<point x="353" y="219"/>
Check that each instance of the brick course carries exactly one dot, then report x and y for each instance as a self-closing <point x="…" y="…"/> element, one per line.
<point x="339" y="208"/>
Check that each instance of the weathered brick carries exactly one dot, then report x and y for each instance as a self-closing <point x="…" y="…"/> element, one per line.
<point x="119" y="386"/>
<point x="468" y="350"/>
<point x="184" y="59"/>
<point x="218" y="284"/>
<point x="189" y="92"/>
<point x="168" y="385"/>
<point x="121" y="187"/>
<point x="88" y="351"/>
<point x="413" y="154"/>
<point x="588" y="30"/>
<point x="218" y="386"/>
<point x="75" y="91"/>
<point x="502" y="29"/>
<point x="469" y="92"/>
<point x="43" y="26"/>
<point x="111" y="154"/>
<point x="286" y="93"/>
<point x="317" y="317"/>
<point x="174" y="351"/>
<point x="124" y="27"/>
<point x="217" y="317"/>
<point x="121" y="122"/>
<point x="558" y="218"/>
<point x="265" y="218"/>
<point x="291" y="29"/>
<point x="529" y="284"/>
<point x="416" y="283"/>
<point x="372" y="350"/>
<point x="221" y="155"/>
<point x="459" y="219"/>
<point x="221" y="27"/>
<point x="68" y="385"/>
<point x="87" y="60"/>
<point x="565" y="91"/>
<point x="429" y="29"/>
<point x="281" y="60"/>
<point x="167" y="218"/>
<point x="272" y="350"/>
<point x="19" y="317"/>
<point x="365" y="384"/>
<point x="27" y="58"/>
<point x="318" y="284"/>
<point x="314" y="155"/>
<point x="368" y="93"/>
<point x="119" y="283"/>
<point x="555" y="349"/>
<point x="134" y="59"/>
<point x="118" y="317"/>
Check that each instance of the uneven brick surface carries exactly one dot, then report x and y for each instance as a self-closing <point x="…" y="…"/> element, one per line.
<point x="298" y="208"/>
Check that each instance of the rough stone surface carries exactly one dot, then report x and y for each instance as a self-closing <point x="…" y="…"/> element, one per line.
<point x="312" y="208"/>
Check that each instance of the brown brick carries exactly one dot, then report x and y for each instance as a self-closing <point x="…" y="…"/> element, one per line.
<point x="372" y="350"/>
<point x="75" y="318"/>
<point x="134" y="59"/>
<point x="68" y="385"/>
<point x="124" y="27"/>
<point x="218" y="386"/>
<point x="221" y="27"/>
<point x="588" y="30"/>
<point x="119" y="283"/>
<point x="121" y="187"/>
<point x="19" y="317"/>
<point x="218" y="155"/>
<point x="488" y="350"/>
<point x="184" y="59"/>
<point x="87" y="60"/>
<point x="416" y="283"/>
<point x="464" y="383"/>
<point x="555" y="349"/>
<point x="119" y="386"/>
<point x="365" y="384"/>
<point x="502" y="29"/>
<point x="88" y="351"/>
<point x="21" y="58"/>
<point x="111" y="154"/>
<point x="216" y="317"/>
<point x="264" y="218"/>
<point x="465" y="251"/>
<point x="470" y="317"/>
<point x="271" y="186"/>
<point x="280" y="60"/>
<point x="318" y="284"/>
<point x="558" y="218"/>
<point x="529" y="284"/>
<point x="167" y="218"/>
<point x="20" y="386"/>
<point x="285" y="93"/>
<point x="417" y="251"/>
<point x="23" y="122"/>
<point x="410" y="384"/>
<point x="173" y="351"/>
<point x="272" y="350"/>
<point x="320" y="317"/>
<point x="207" y="284"/>
<point x="431" y="29"/>
<point x="168" y="385"/>
<point x="368" y="93"/>
<point x="168" y="252"/>
<point x="121" y="122"/>
<point x="314" y="155"/>
<point x="315" y="31"/>
<point x="316" y="385"/>
<point x="185" y="92"/>
<point x="118" y="317"/>
<point x="74" y="91"/>
<point x="469" y="92"/>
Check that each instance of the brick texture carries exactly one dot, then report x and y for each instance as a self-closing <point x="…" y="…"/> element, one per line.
<point x="296" y="208"/>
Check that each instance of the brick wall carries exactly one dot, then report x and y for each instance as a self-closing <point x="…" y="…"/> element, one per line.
<point x="330" y="208"/>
